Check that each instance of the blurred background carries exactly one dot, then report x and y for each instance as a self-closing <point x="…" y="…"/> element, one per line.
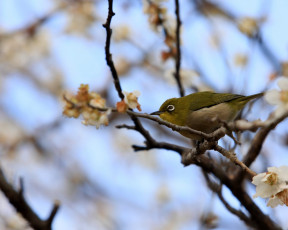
<point x="49" y="47"/>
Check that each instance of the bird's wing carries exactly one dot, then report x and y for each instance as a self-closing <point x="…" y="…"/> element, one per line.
<point x="207" y="99"/>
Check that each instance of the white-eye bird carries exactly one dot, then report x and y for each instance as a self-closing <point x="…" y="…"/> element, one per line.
<point x="203" y="110"/>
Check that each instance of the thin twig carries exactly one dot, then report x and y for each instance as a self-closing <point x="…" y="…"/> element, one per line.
<point x="259" y="219"/>
<point x="108" y="55"/>
<point x="232" y="157"/>
<point x="178" y="49"/>
<point x="210" y="143"/>
<point x="132" y="127"/>
<point x="257" y="143"/>
<point x="214" y="136"/>
<point x="226" y="128"/>
<point x="217" y="188"/>
<point x="53" y="212"/>
<point x="17" y="199"/>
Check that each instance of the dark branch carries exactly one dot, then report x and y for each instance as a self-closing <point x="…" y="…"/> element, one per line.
<point x="53" y="213"/>
<point x="17" y="199"/>
<point x="178" y="50"/>
<point x="125" y="126"/>
<point x="259" y="138"/>
<point x="211" y="137"/>
<point x="257" y="143"/>
<point x="232" y="157"/>
<point x="209" y="143"/>
<point x="191" y="156"/>
<point x="217" y="188"/>
<point x="259" y="219"/>
<point x="108" y="55"/>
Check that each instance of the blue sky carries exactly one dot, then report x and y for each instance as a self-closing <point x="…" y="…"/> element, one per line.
<point x="130" y="180"/>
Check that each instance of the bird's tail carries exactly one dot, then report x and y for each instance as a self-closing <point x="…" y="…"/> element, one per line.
<point x="242" y="101"/>
<point x="248" y="98"/>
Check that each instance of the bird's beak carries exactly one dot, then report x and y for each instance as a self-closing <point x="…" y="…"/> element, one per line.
<point x="156" y="113"/>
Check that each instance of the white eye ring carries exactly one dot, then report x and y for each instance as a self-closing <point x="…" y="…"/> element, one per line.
<point x="170" y="108"/>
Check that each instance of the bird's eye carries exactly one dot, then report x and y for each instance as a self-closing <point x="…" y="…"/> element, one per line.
<point x="170" y="108"/>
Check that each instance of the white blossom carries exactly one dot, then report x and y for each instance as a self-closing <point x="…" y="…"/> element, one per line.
<point x="279" y="98"/>
<point x="131" y="99"/>
<point x="274" y="201"/>
<point x="273" y="185"/>
<point x="170" y="25"/>
<point x="96" y="118"/>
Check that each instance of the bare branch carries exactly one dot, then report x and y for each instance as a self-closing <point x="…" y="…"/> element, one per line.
<point x="257" y="143"/>
<point x="259" y="219"/>
<point x="17" y="199"/>
<point x="211" y="137"/>
<point x="188" y="158"/>
<point x="125" y="126"/>
<point x="232" y="157"/>
<point x="108" y="55"/>
<point x="192" y="156"/>
<point x="53" y="212"/>
<point x="217" y="188"/>
<point x="178" y="50"/>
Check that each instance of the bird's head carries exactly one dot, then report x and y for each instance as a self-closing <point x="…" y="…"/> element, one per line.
<point x="173" y="111"/>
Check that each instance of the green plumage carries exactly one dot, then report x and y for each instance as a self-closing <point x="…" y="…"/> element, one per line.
<point x="199" y="110"/>
<point x="207" y="99"/>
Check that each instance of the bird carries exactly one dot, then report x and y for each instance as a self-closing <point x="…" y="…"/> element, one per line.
<point x="203" y="111"/>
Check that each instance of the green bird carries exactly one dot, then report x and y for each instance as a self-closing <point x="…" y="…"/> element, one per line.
<point x="203" y="110"/>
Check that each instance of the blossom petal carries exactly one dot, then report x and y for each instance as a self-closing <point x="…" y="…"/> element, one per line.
<point x="274" y="201"/>
<point x="283" y="83"/>
<point x="137" y="93"/>
<point x="281" y="171"/>
<point x="281" y="109"/>
<point x="273" y="97"/>
<point x="258" y="178"/>
<point x="265" y="190"/>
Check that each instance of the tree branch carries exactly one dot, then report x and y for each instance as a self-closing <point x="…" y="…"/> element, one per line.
<point x="108" y="55"/>
<point x="259" y="219"/>
<point x="178" y="50"/>
<point x="217" y="188"/>
<point x="216" y="135"/>
<point x="257" y="143"/>
<point x="17" y="199"/>
<point x="191" y="156"/>
<point x="232" y="157"/>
